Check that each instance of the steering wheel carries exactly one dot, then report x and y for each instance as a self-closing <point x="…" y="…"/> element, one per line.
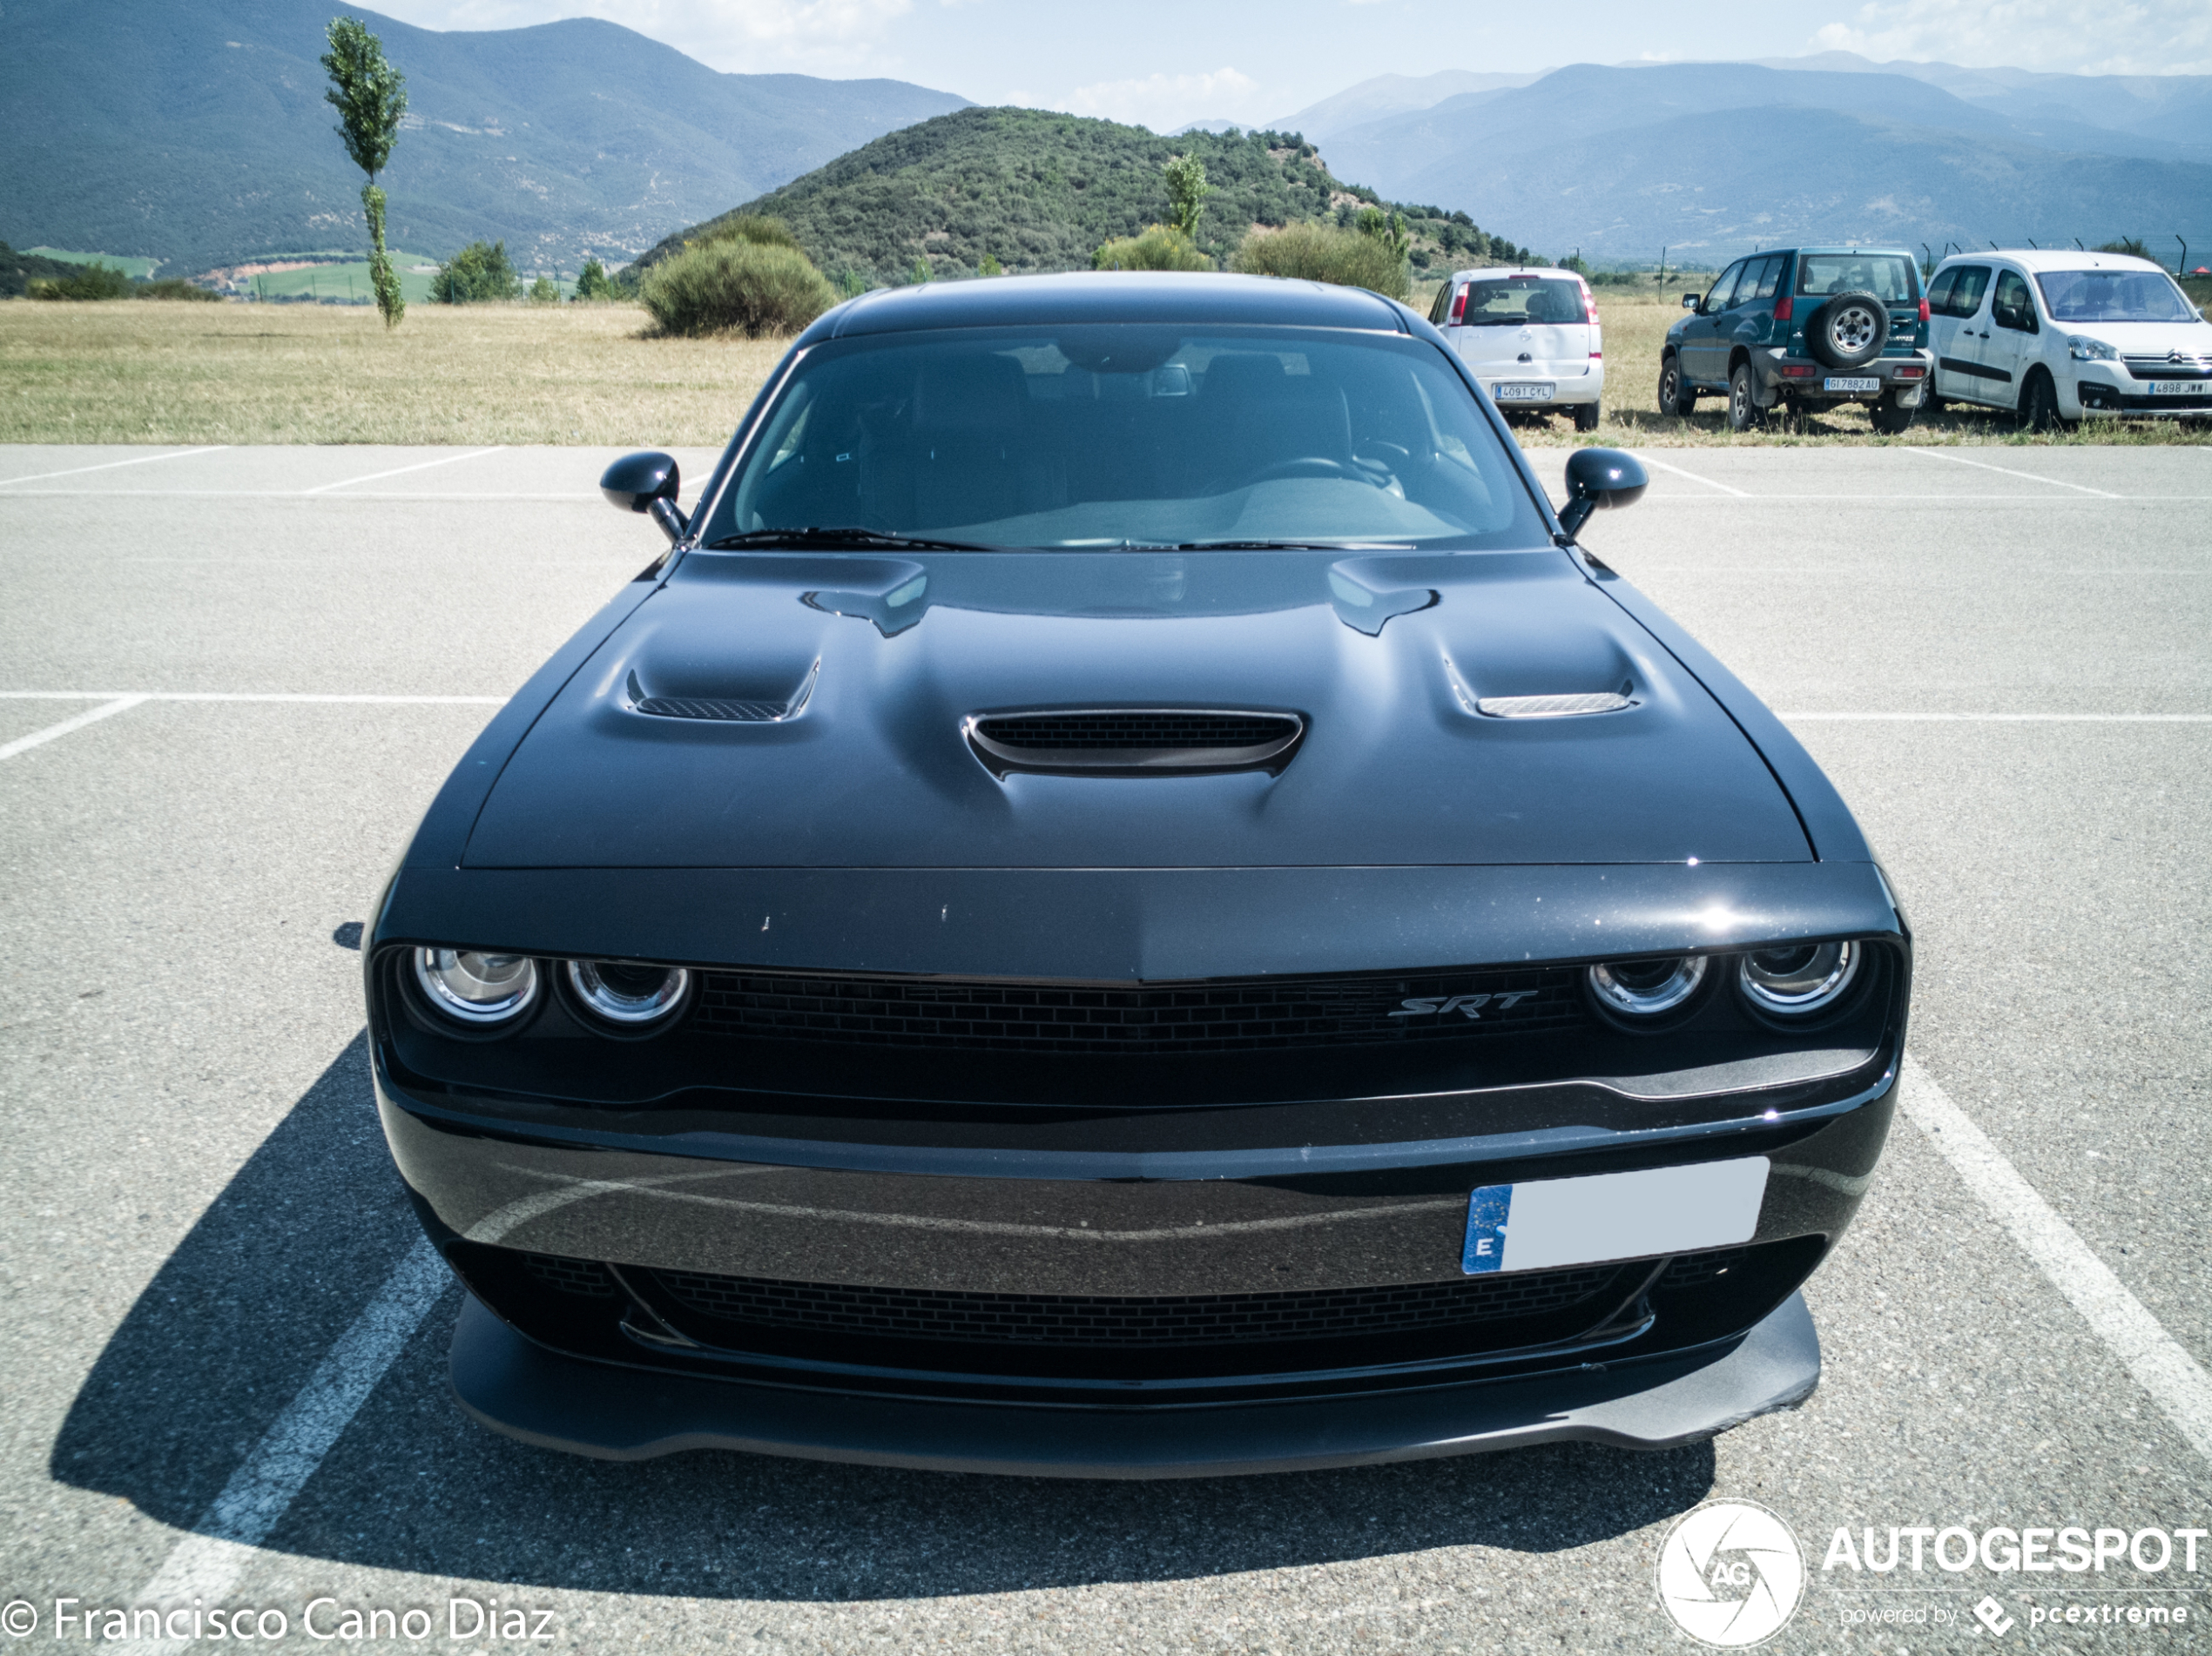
<point x="1305" y="466"/>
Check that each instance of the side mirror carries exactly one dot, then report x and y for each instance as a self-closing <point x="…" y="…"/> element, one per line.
<point x="1690" y="302"/>
<point x="1599" y="480"/>
<point x="648" y="483"/>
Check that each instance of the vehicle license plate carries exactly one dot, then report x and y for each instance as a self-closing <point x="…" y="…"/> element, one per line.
<point x="1550" y="1222"/>
<point x="1831" y="383"/>
<point x="1523" y="393"/>
<point x="2180" y="387"/>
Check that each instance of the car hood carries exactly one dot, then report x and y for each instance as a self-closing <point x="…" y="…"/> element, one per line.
<point x="2144" y="339"/>
<point x="852" y="677"/>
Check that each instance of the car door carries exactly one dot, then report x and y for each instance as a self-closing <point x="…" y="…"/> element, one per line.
<point x="1751" y="306"/>
<point x="1699" y="341"/>
<point x="1957" y="329"/>
<point x="2014" y="339"/>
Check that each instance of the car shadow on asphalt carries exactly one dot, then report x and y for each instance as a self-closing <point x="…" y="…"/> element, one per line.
<point x="307" y="1232"/>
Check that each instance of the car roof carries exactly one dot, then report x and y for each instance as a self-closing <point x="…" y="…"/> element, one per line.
<point x="1516" y="270"/>
<point x="1106" y="297"/>
<point x="2042" y="258"/>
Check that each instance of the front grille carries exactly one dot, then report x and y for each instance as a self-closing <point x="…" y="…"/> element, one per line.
<point x="1247" y="1016"/>
<point x="1140" y="727"/>
<point x="1082" y="1319"/>
<point x="584" y="1277"/>
<point x="1695" y="1271"/>
<point x="2159" y="365"/>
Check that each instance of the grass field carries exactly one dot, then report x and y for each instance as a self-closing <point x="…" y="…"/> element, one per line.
<point x="586" y="374"/>
<point x="137" y="269"/>
<point x="350" y="282"/>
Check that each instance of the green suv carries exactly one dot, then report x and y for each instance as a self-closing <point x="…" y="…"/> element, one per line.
<point x="1803" y="328"/>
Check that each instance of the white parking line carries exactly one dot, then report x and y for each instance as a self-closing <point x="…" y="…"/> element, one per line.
<point x="2004" y="718"/>
<point x="115" y="705"/>
<point x="1740" y="493"/>
<point x="133" y="698"/>
<point x="110" y="465"/>
<point x="397" y="471"/>
<point x="2175" y="1381"/>
<point x="206" y="1564"/>
<point x="2057" y="482"/>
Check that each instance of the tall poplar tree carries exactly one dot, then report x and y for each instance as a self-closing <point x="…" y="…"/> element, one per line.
<point x="370" y="96"/>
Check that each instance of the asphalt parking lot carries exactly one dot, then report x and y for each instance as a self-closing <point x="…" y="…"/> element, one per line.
<point x="225" y="1373"/>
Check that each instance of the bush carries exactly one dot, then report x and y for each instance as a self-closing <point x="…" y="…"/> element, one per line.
<point x="478" y="273"/>
<point x="545" y="291"/>
<point x="1320" y="253"/>
<point x="174" y="287"/>
<point x="593" y="282"/>
<point x="94" y="280"/>
<point x="759" y="229"/>
<point x="736" y="285"/>
<point x="990" y="266"/>
<point x="1161" y="248"/>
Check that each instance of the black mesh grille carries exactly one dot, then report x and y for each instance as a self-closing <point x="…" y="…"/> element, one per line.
<point x="1069" y="1320"/>
<point x="1137" y="729"/>
<point x="1214" y="1017"/>
<point x="1695" y="1271"/>
<point x="586" y="1277"/>
<point x="670" y="707"/>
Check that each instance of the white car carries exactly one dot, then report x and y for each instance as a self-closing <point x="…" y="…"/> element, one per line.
<point x="1530" y="336"/>
<point x="2053" y="336"/>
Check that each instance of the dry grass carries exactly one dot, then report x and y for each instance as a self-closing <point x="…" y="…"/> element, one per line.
<point x="304" y="373"/>
<point x="586" y="374"/>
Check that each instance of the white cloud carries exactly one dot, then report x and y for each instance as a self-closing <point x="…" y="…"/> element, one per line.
<point x="1167" y="102"/>
<point x="2065" y="37"/>
<point x="824" y="37"/>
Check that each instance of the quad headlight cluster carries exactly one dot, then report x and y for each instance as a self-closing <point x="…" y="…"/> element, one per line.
<point x="1792" y="983"/>
<point x="482" y="991"/>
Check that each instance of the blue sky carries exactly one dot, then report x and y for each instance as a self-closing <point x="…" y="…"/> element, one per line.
<point x="1166" y="62"/>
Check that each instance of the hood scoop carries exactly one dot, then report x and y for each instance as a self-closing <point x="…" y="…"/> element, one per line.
<point x="720" y="709"/>
<point x="1133" y="741"/>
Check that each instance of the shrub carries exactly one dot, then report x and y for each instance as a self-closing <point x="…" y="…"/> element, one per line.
<point x="1161" y="248"/>
<point x="736" y="286"/>
<point x="545" y="291"/>
<point x="2133" y="245"/>
<point x="758" y="228"/>
<point x="1321" y="253"/>
<point x="175" y="287"/>
<point x="593" y="282"/>
<point x="990" y="266"/>
<point x="94" y="280"/>
<point x="479" y="271"/>
<point x="920" y="273"/>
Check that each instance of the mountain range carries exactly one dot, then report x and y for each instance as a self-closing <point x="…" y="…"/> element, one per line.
<point x="195" y="131"/>
<point x="1711" y="159"/>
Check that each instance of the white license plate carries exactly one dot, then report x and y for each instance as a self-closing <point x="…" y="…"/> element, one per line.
<point x="2180" y="388"/>
<point x="1832" y="383"/>
<point x="1524" y="394"/>
<point x="1550" y="1223"/>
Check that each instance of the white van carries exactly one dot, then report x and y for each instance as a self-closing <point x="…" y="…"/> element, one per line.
<point x="1530" y="336"/>
<point x="2053" y="336"/>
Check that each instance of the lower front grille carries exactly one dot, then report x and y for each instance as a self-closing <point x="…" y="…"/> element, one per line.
<point x="1082" y="1320"/>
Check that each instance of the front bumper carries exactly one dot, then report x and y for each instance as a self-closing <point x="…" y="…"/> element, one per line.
<point x="2096" y="396"/>
<point x="612" y="1412"/>
<point x="1907" y="378"/>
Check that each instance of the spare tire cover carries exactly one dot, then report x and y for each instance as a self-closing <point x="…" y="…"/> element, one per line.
<point x="1849" y="331"/>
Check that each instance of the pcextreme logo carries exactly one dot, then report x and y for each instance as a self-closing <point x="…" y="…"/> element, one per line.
<point x="1730" y="1574"/>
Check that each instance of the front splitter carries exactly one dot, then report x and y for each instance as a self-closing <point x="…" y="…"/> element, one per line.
<point x="612" y="1412"/>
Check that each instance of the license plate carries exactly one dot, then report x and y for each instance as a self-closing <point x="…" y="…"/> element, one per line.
<point x="1550" y="1222"/>
<point x="1832" y="383"/>
<point x="1524" y="394"/>
<point x="2180" y="388"/>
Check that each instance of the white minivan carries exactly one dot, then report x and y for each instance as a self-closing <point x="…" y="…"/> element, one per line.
<point x="1530" y="336"/>
<point x="2053" y="336"/>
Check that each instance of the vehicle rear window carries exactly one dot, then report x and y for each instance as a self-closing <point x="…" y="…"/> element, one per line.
<point x="1958" y="292"/>
<point x="1137" y="436"/>
<point x="1887" y="276"/>
<point x="2113" y="296"/>
<point x="1513" y="301"/>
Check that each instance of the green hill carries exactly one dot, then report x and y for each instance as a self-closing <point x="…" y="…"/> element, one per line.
<point x="1040" y="192"/>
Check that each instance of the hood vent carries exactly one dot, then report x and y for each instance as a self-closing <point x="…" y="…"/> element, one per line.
<point x="720" y="709"/>
<point x="1551" y="707"/>
<point x="1134" y="741"/>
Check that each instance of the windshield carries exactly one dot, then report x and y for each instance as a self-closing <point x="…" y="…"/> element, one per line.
<point x="2114" y="296"/>
<point x="1511" y="302"/>
<point x="1887" y="276"/>
<point x="1127" y="434"/>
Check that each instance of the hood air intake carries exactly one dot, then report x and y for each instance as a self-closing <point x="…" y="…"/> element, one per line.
<point x="1133" y="741"/>
<point x="722" y="710"/>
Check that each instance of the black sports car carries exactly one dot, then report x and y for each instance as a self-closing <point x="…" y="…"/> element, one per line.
<point x="1123" y="900"/>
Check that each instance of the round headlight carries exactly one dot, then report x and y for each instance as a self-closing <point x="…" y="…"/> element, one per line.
<point x="1646" y="988"/>
<point x="1804" y="978"/>
<point x="476" y="987"/>
<point x="628" y="994"/>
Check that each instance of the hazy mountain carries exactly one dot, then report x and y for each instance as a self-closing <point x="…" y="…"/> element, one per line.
<point x="1387" y="95"/>
<point x="194" y="131"/>
<point x="1714" y="159"/>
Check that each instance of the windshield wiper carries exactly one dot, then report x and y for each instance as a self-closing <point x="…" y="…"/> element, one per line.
<point x="841" y="538"/>
<point x="1295" y="546"/>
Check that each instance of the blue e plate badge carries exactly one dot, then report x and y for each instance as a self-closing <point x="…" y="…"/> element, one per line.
<point x="1485" y="1244"/>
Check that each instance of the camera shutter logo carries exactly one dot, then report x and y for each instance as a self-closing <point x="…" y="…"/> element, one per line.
<point x="1730" y="1574"/>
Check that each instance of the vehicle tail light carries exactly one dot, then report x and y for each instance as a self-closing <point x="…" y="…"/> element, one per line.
<point x="1590" y="304"/>
<point x="1785" y="309"/>
<point x="1912" y="373"/>
<point x="1458" y="307"/>
<point x="1924" y="310"/>
<point x="1597" y="356"/>
<point x="1799" y="370"/>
